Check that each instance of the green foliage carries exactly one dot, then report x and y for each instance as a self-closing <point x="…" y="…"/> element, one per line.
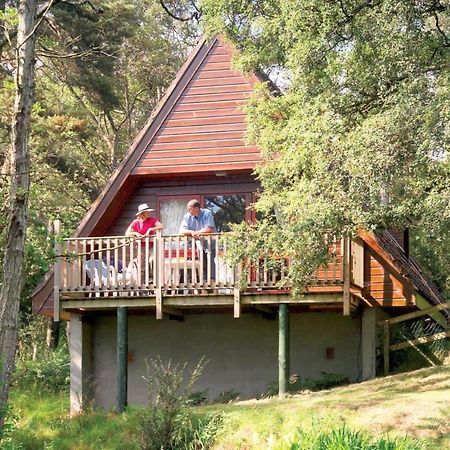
<point x="167" y="423"/>
<point x="343" y="438"/>
<point x="46" y="374"/>
<point x="102" y="67"/>
<point x="8" y="429"/>
<point x="198" y="398"/>
<point x="360" y="137"/>
<point x="298" y="383"/>
<point x="368" y="407"/>
<point x="227" y="396"/>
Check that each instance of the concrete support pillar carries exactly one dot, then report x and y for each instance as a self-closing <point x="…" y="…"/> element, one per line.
<point x="122" y="359"/>
<point x="283" y="350"/>
<point x="368" y="343"/>
<point x="80" y="348"/>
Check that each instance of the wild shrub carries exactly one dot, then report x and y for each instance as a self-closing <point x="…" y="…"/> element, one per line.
<point x="167" y="423"/>
<point x="46" y="374"/>
<point x="227" y="396"/>
<point x="297" y="383"/>
<point x="198" y="398"/>
<point x="8" y="429"/>
<point x="344" y="438"/>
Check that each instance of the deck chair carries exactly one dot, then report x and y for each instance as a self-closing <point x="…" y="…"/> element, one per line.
<point x="97" y="271"/>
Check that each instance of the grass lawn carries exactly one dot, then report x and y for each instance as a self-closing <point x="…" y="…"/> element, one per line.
<point x="415" y="404"/>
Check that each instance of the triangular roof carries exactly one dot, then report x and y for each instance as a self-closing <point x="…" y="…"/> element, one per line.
<point x="208" y="67"/>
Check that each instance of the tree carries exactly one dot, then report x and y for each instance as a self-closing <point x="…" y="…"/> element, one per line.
<point x="93" y="92"/>
<point x="18" y="197"/>
<point x="360" y="138"/>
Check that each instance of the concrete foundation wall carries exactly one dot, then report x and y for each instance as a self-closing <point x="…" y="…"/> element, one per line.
<point x="242" y="353"/>
<point x="81" y="363"/>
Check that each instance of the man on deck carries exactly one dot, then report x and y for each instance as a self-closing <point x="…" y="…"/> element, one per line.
<point x="197" y="222"/>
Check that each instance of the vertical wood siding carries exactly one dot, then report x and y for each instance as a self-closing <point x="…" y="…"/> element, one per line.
<point x="205" y="130"/>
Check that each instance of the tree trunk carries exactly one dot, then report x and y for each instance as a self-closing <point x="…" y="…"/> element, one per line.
<point x="13" y="260"/>
<point x="2" y="10"/>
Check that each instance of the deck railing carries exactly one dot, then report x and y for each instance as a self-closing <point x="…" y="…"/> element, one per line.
<point x="172" y="264"/>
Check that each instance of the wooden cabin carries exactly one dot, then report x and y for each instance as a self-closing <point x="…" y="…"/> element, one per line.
<point x="123" y="312"/>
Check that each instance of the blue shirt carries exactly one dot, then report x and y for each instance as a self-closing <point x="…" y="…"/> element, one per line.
<point x="204" y="219"/>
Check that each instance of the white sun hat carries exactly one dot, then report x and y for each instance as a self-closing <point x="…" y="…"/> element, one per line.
<point x="143" y="207"/>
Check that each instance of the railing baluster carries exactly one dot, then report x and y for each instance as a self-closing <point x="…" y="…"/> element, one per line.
<point x="170" y="276"/>
<point x="159" y="244"/>
<point x="177" y="263"/>
<point x="116" y="263"/>
<point x="147" y="261"/>
<point x="108" y="264"/>
<point x="133" y="265"/>
<point x="91" y="259"/>
<point x="155" y="262"/>
<point x="220" y="256"/>
<point x="265" y="272"/>
<point x="140" y="261"/>
<point x="127" y="270"/>
<point x="164" y="262"/>
<point x="100" y="264"/>
<point x="83" y="266"/>
<point x="201" y="255"/>
<point x="70" y="268"/>
<point x="209" y="262"/>
<point x="216" y="260"/>
<point x="185" y="265"/>
<point x="67" y="265"/>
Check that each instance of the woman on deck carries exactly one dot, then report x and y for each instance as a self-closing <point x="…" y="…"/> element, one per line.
<point x="144" y="225"/>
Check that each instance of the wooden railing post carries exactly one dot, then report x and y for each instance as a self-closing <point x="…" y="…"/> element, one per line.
<point x="346" y="273"/>
<point x="56" y="269"/>
<point x="159" y="261"/>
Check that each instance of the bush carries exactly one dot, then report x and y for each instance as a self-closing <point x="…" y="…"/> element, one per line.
<point x="8" y="429"/>
<point x="297" y="383"/>
<point x="198" y="398"/>
<point x="168" y="423"/>
<point x="47" y="374"/>
<point x="343" y="438"/>
<point x="227" y="396"/>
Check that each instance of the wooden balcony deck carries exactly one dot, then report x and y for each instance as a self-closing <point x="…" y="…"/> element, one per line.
<point x="169" y="273"/>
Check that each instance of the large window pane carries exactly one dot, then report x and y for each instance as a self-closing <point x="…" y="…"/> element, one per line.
<point x="226" y="209"/>
<point x="172" y="212"/>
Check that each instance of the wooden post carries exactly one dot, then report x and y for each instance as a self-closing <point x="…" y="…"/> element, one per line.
<point x="283" y="350"/>
<point x="346" y="273"/>
<point x="158" y="301"/>
<point x="122" y="359"/>
<point x="386" y="347"/>
<point x="56" y="269"/>
<point x="160" y="279"/>
<point x="237" y="302"/>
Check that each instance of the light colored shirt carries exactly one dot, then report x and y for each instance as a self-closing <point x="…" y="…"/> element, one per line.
<point x="204" y="219"/>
